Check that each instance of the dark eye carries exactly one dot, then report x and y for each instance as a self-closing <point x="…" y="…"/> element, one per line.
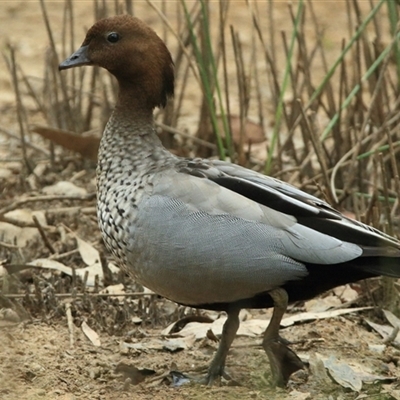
<point x="113" y="37"/>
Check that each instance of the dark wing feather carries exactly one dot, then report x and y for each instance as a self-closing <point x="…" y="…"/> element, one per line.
<point x="307" y="209"/>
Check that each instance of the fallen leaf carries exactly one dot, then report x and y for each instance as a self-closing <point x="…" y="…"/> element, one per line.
<point x="318" y="370"/>
<point x="384" y="331"/>
<point x="88" y="253"/>
<point x="15" y="235"/>
<point x="93" y="270"/>
<point x="26" y="215"/>
<point x="322" y="304"/>
<point x="175" y="344"/>
<point x="51" y="264"/>
<point x="87" y="145"/>
<point x="182" y="322"/>
<point x="114" y="289"/>
<point x="392" y="319"/>
<point x="346" y="293"/>
<point x="9" y="315"/>
<point x="255" y="327"/>
<point x="309" y="316"/>
<point x="91" y="334"/>
<point x="351" y="377"/>
<point x="21" y="236"/>
<point x="377" y="348"/>
<point x="252" y="132"/>
<point x="64" y="188"/>
<point x="395" y="393"/>
<point x="5" y="174"/>
<point x="343" y="374"/>
<point x="170" y="344"/>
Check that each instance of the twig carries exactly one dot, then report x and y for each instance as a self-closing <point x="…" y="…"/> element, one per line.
<point x="72" y="210"/>
<point x="9" y="245"/>
<point x="195" y="139"/>
<point x="18" y="100"/>
<point x="27" y="143"/>
<point x="63" y="255"/>
<point x="70" y="324"/>
<point x="77" y="295"/>
<point x="23" y="224"/>
<point x="21" y="202"/>
<point x="43" y="234"/>
<point x="386" y="194"/>
<point x="318" y="151"/>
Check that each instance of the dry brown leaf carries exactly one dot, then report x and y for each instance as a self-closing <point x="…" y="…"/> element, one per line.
<point x="87" y="146"/>
<point x="253" y="133"/>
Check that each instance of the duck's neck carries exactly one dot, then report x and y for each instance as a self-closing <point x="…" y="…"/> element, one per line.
<point x="130" y="142"/>
<point x="138" y="97"/>
<point x="131" y="125"/>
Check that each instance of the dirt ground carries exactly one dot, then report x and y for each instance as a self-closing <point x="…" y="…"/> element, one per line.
<point x="37" y="359"/>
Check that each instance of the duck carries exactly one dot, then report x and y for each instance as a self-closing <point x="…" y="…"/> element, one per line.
<point x="210" y="234"/>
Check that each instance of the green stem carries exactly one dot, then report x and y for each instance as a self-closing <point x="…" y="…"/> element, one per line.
<point x="357" y="88"/>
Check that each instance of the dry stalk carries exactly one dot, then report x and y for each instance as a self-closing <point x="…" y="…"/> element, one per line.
<point x="43" y="234"/>
<point x="70" y="324"/>
<point x="20" y="202"/>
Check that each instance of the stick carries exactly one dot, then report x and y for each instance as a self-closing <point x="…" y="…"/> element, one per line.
<point x="43" y="235"/>
<point x="70" y="324"/>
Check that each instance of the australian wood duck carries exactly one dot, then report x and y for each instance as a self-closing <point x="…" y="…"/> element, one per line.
<point x="211" y="234"/>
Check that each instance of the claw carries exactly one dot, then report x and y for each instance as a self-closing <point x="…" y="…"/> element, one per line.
<point x="214" y="375"/>
<point x="284" y="362"/>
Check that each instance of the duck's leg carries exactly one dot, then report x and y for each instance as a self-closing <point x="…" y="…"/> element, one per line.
<point x="229" y="330"/>
<point x="283" y="361"/>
